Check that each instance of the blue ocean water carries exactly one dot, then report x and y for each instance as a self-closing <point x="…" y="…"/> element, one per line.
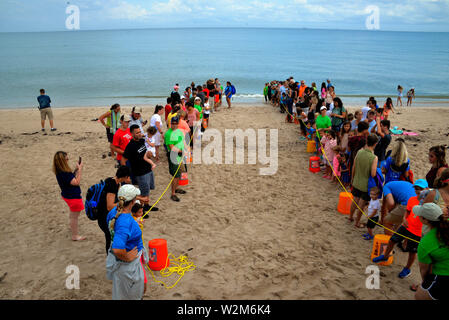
<point x="96" y="68"/>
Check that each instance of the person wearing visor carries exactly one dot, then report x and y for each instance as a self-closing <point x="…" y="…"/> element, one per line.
<point x="174" y="140"/>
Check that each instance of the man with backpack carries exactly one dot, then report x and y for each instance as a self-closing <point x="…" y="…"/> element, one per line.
<point x="108" y="199"/>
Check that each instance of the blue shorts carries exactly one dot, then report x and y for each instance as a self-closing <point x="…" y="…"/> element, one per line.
<point x="146" y="183"/>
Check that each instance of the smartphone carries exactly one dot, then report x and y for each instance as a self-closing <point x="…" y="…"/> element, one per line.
<point x="79" y="161"/>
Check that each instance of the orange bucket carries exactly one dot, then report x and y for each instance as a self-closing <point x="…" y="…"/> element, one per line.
<point x="314" y="164"/>
<point x="311" y="146"/>
<point x="344" y="202"/>
<point x="157" y="249"/>
<point x="183" y="181"/>
<point x="379" y="246"/>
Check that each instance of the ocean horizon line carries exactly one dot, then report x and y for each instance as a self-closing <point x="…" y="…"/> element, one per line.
<point x="209" y="28"/>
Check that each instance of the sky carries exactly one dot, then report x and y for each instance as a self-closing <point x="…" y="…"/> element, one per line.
<point x="393" y="15"/>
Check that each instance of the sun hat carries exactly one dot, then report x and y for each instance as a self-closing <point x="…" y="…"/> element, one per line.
<point x="422" y="183"/>
<point x="429" y="211"/>
<point x="137" y="109"/>
<point x="128" y="191"/>
<point x="126" y="117"/>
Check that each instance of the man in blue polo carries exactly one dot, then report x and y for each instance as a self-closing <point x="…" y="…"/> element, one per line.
<point x="45" y="109"/>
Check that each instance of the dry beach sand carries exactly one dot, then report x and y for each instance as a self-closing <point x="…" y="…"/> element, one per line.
<point x="250" y="236"/>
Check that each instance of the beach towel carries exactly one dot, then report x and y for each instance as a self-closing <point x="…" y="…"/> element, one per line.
<point x="127" y="277"/>
<point x="395" y="130"/>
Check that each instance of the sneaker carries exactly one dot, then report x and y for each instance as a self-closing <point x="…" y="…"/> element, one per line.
<point x="380" y="259"/>
<point x="43" y="130"/>
<point x="405" y="273"/>
<point x="53" y="129"/>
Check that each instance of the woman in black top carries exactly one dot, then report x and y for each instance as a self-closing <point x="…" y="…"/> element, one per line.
<point x="109" y="199"/>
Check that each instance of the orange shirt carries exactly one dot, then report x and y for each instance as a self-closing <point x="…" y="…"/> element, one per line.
<point x="414" y="224"/>
<point x="301" y="90"/>
<point x="184" y="126"/>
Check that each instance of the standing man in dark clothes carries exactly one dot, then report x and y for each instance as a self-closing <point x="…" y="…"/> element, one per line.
<point x="175" y="97"/>
<point x="142" y="170"/>
<point x="45" y="109"/>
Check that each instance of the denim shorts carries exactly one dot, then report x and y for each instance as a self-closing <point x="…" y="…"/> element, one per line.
<point x="146" y="183"/>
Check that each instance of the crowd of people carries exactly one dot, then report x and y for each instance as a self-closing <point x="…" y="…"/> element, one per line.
<point x="353" y="148"/>
<point x="136" y="144"/>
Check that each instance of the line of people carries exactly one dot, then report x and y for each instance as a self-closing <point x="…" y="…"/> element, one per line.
<point x="353" y="149"/>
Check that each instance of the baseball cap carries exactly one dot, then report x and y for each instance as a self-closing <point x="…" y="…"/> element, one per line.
<point x="183" y="97"/>
<point x="422" y="183"/>
<point x="175" y="119"/>
<point x="323" y="108"/>
<point x="429" y="211"/>
<point x="126" y="117"/>
<point x="137" y="109"/>
<point x="128" y="191"/>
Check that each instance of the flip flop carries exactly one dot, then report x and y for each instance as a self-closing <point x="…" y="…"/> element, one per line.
<point x="174" y="198"/>
<point x="414" y="287"/>
<point x="180" y="191"/>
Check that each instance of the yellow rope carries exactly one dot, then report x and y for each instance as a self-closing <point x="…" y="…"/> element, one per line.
<point x="181" y="264"/>
<point x="324" y="153"/>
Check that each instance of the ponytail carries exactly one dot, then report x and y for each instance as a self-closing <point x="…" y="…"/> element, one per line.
<point x="122" y="203"/>
<point x="443" y="230"/>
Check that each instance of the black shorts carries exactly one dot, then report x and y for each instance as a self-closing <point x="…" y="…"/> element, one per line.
<point x="412" y="246"/>
<point x="360" y="194"/>
<point x="205" y="115"/>
<point x="173" y="167"/>
<point x="370" y="224"/>
<point x="437" y="286"/>
<point x="109" y="135"/>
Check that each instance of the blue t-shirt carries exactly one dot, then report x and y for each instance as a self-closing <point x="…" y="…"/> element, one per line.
<point x="44" y="101"/>
<point x="402" y="191"/>
<point x="67" y="190"/>
<point x="393" y="175"/>
<point x="127" y="233"/>
<point x="228" y="90"/>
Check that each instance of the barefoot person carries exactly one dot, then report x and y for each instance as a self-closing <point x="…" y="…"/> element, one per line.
<point x="123" y="263"/>
<point x="112" y="124"/>
<point x="69" y="182"/>
<point x="45" y="109"/>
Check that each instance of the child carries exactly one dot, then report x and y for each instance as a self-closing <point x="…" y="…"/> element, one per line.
<point x="399" y="96"/>
<point x="137" y="213"/>
<point x="329" y="141"/>
<point x="151" y="150"/>
<point x="336" y="164"/>
<point x="373" y="213"/>
<point x="345" y="176"/>
<point x="350" y="117"/>
<point x="310" y="130"/>
<point x="344" y="135"/>
<point x="206" y="111"/>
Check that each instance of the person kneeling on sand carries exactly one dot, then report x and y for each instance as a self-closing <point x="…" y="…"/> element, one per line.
<point x="410" y="229"/>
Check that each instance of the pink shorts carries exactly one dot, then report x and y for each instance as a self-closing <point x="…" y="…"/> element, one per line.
<point x="75" y="205"/>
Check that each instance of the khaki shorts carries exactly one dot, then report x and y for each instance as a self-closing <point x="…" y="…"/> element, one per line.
<point x="46" y="112"/>
<point x="396" y="215"/>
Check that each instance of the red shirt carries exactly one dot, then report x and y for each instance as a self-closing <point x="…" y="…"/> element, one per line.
<point x="414" y="224"/>
<point x="167" y="110"/>
<point x="121" y="140"/>
<point x="206" y="91"/>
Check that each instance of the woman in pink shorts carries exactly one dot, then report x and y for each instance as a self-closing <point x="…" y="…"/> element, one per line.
<point x="69" y="182"/>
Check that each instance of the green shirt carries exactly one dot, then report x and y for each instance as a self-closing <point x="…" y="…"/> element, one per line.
<point x="200" y="110"/>
<point x="175" y="138"/>
<point x="363" y="162"/>
<point x="432" y="251"/>
<point x="335" y="120"/>
<point x="322" y="123"/>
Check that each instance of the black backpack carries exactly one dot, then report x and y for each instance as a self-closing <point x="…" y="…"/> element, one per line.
<point x="93" y="198"/>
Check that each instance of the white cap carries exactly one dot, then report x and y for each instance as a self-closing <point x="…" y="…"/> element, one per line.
<point x="128" y="191"/>
<point x="137" y="109"/>
<point x="323" y="108"/>
<point x="126" y="117"/>
<point x="183" y="97"/>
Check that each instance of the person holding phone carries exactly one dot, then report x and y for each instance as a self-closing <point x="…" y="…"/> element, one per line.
<point x="69" y="182"/>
